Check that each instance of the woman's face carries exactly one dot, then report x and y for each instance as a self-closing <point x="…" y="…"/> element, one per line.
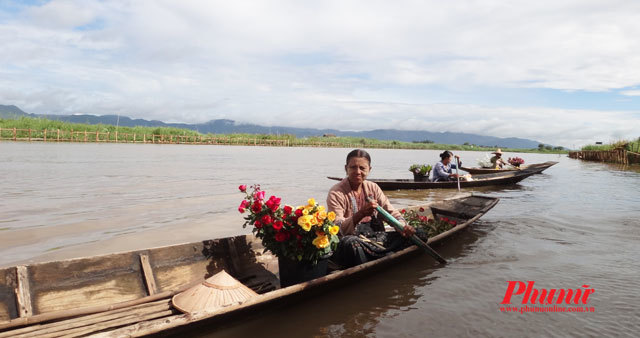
<point x="357" y="170"/>
<point x="446" y="160"/>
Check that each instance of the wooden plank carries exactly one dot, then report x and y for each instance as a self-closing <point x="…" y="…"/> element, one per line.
<point x="89" y="310"/>
<point x="149" y="280"/>
<point x="8" y="283"/>
<point x="90" y="321"/>
<point x="25" y="309"/>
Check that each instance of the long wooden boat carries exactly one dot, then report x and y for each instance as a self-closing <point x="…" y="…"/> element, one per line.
<point x="129" y="293"/>
<point x="477" y="170"/>
<point x="483" y="180"/>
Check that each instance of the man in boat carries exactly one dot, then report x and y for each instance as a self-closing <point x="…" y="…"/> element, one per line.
<point x="354" y="201"/>
<point x="443" y="170"/>
<point x="497" y="161"/>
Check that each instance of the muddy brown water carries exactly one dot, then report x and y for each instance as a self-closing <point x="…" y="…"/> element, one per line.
<point x="576" y="224"/>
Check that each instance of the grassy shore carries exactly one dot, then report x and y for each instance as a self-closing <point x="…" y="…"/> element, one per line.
<point x="37" y="125"/>
<point x="631" y="145"/>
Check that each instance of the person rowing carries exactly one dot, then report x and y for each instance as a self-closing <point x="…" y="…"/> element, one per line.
<point x="354" y="201"/>
<point x="497" y="162"/>
<point x="443" y="169"/>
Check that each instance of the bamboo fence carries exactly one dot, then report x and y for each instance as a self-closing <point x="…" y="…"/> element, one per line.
<point x="618" y="155"/>
<point x="58" y="135"/>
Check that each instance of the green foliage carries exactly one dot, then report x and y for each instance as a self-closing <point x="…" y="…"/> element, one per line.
<point x="420" y="169"/>
<point x="629" y="145"/>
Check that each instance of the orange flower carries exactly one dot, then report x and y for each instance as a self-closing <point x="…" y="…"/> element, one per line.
<point x="331" y="216"/>
<point x="321" y="242"/>
<point x="305" y="222"/>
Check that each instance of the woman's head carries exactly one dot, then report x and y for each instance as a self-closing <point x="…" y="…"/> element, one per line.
<point x="358" y="166"/>
<point x="446" y="156"/>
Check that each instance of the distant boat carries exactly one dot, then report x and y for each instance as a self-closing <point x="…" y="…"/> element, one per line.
<point x="129" y="294"/>
<point x="504" y="177"/>
<point x="477" y="170"/>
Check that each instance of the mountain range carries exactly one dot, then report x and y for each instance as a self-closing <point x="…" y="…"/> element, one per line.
<point x="225" y="126"/>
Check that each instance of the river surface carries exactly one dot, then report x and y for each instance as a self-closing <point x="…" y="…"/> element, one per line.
<point x="576" y="224"/>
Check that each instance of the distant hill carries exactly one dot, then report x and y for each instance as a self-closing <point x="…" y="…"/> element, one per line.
<point x="224" y="126"/>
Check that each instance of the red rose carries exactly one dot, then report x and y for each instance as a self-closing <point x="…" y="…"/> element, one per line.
<point x="287" y="210"/>
<point x="266" y="219"/>
<point x="257" y="224"/>
<point x="299" y="212"/>
<point x="259" y="195"/>
<point x="402" y="211"/>
<point x="277" y="225"/>
<point x="243" y="188"/>
<point x="273" y="203"/>
<point x="241" y="209"/>
<point x="256" y="207"/>
<point x="421" y="209"/>
<point x="281" y="236"/>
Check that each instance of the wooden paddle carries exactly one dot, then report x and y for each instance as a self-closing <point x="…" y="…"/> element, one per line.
<point x="415" y="239"/>
<point x="458" y="173"/>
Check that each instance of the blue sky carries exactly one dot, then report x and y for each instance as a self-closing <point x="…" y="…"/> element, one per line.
<point x="559" y="72"/>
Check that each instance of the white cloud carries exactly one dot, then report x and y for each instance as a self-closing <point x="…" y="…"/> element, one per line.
<point x="348" y="65"/>
<point x="631" y="92"/>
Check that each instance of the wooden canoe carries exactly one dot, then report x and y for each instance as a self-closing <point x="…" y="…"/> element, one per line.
<point x="476" y="170"/>
<point x="483" y="180"/>
<point x="129" y="294"/>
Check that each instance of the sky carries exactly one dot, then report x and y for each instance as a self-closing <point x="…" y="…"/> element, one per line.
<point x="559" y="72"/>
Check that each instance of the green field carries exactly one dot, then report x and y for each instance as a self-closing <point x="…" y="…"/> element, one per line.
<point x="37" y="126"/>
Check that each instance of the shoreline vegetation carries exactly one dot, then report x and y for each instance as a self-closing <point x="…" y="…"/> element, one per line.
<point x="633" y="145"/>
<point x="621" y="152"/>
<point x="40" y="129"/>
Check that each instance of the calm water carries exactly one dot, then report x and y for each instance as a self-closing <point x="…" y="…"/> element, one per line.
<point x="575" y="224"/>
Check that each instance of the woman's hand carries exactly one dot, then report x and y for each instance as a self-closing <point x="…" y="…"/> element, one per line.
<point x="368" y="208"/>
<point x="408" y="231"/>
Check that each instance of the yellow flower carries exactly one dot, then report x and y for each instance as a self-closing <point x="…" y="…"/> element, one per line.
<point x="305" y="211"/>
<point x="311" y="202"/>
<point x="321" y="242"/>
<point x="305" y="222"/>
<point x="321" y="208"/>
<point x="331" y="216"/>
<point x="334" y="230"/>
<point x="321" y="215"/>
<point x="314" y="220"/>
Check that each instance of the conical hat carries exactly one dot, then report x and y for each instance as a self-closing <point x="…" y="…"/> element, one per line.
<point x="215" y="292"/>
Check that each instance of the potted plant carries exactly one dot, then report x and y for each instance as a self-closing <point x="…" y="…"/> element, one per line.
<point x="420" y="172"/>
<point x="302" y="238"/>
<point x="516" y="161"/>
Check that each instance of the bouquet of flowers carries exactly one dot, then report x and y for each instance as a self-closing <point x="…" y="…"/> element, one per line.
<point x="304" y="233"/>
<point x="431" y="226"/>
<point x="515" y="161"/>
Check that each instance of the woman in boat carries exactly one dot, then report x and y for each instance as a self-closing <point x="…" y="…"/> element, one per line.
<point x="443" y="169"/>
<point x="496" y="161"/>
<point x="354" y="201"/>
